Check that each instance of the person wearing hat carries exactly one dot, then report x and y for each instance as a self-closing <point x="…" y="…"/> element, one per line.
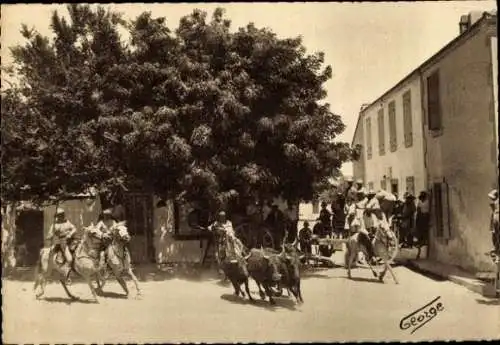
<point x="422" y="219"/>
<point x="224" y="224"/>
<point x="60" y="233"/>
<point x="305" y="238"/>
<point x="325" y="215"/>
<point x="373" y="213"/>
<point x="358" y="222"/>
<point x="105" y="226"/>
<point x="407" y="219"/>
<point x="107" y="223"/>
<point x="494" y="223"/>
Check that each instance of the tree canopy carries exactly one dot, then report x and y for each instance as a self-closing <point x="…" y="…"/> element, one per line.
<point x="197" y="112"/>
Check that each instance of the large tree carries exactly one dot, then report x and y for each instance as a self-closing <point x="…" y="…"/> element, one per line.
<point x="198" y="112"/>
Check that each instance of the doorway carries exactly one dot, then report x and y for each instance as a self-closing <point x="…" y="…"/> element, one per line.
<point x="29" y="237"/>
<point x="394" y="186"/>
<point x="139" y="216"/>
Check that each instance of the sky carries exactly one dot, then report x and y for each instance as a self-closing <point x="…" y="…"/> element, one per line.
<point x="370" y="46"/>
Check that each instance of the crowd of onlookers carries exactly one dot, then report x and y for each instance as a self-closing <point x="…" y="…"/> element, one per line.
<point x="410" y="215"/>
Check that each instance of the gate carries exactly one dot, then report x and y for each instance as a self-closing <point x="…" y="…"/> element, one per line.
<point x="139" y="216"/>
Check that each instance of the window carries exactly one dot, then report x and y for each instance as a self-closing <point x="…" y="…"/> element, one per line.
<point x="369" y="138"/>
<point x="433" y="102"/>
<point x="410" y="185"/>
<point x="189" y="220"/>
<point x="381" y="132"/>
<point x="383" y="184"/>
<point x="315" y="205"/>
<point x="393" y="140"/>
<point x="408" y="125"/>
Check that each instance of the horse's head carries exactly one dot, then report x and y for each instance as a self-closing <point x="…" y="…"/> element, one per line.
<point x="121" y="232"/>
<point x="93" y="235"/>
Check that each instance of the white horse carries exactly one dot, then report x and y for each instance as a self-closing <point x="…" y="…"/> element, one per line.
<point x="384" y="244"/>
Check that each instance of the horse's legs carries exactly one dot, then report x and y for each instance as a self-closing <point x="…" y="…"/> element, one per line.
<point x="135" y="280"/>
<point x="63" y="283"/>
<point x="122" y="283"/>
<point x="392" y="273"/>
<point x="382" y="274"/>
<point x="92" y="289"/>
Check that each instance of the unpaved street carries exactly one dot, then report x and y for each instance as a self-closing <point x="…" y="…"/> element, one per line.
<point x="203" y="309"/>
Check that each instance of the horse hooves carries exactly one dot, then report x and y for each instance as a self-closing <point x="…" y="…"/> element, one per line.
<point x="262" y="295"/>
<point x="375" y="275"/>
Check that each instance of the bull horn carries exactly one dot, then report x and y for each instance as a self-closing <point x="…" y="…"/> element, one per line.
<point x="295" y="242"/>
<point x="247" y="257"/>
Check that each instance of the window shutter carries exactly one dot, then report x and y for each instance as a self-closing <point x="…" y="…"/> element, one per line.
<point x="407" y="116"/>
<point x="392" y="126"/>
<point x="381" y="132"/>
<point x="368" y="138"/>
<point x="433" y="102"/>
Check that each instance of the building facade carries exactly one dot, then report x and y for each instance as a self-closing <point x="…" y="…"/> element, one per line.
<point x="393" y="157"/>
<point x="358" y="166"/>
<point x="437" y="130"/>
<point x="460" y="128"/>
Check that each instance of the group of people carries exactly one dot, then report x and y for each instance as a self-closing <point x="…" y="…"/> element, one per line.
<point x="62" y="232"/>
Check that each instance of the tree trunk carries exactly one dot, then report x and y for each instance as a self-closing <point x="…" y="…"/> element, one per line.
<point x="8" y="236"/>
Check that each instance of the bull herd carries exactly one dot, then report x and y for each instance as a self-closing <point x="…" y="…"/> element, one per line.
<point x="269" y="268"/>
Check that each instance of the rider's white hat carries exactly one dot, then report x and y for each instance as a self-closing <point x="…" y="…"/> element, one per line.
<point x="107" y="212"/>
<point x="59" y="211"/>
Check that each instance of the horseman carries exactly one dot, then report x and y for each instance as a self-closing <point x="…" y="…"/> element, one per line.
<point x="105" y="226"/>
<point x="357" y="214"/>
<point x="60" y="234"/>
<point x="225" y="225"/>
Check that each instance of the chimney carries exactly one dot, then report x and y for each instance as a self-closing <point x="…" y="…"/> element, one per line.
<point x="466" y="21"/>
<point x="364" y="106"/>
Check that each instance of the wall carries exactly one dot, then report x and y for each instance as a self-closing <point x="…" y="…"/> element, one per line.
<point x="358" y="167"/>
<point x="80" y="212"/>
<point x="463" y="154"/>
<point x="169" y="249"/>
<point x="404" y="161"/>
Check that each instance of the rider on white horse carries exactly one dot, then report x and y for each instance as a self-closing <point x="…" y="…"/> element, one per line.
<point x="60" y="233"/>
<point x="358" y="223"/>
<point x="105" y="226"/>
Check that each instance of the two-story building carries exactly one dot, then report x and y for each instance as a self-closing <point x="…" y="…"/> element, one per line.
<point x="437" y="130"/>
<point x="392" y="142"/>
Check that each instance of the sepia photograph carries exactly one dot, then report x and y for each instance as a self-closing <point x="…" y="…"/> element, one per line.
<point x="241" y="172"/>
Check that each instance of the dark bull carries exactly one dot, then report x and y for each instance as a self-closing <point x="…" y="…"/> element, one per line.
<point x="264" y="269"/>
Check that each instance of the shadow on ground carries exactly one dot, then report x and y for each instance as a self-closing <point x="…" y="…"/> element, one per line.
<point x="281" y="302"/>
<point x="488" y="301"/>
<point x="190" y="272"/>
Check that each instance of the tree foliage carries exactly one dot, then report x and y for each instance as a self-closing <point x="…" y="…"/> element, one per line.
<point x="198" y="112"/>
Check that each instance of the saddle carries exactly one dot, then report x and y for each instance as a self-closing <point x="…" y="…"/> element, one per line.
<point x="58" y="252"/>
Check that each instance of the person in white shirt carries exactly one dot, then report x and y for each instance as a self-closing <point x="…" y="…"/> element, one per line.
<point x="223" y="224"/>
